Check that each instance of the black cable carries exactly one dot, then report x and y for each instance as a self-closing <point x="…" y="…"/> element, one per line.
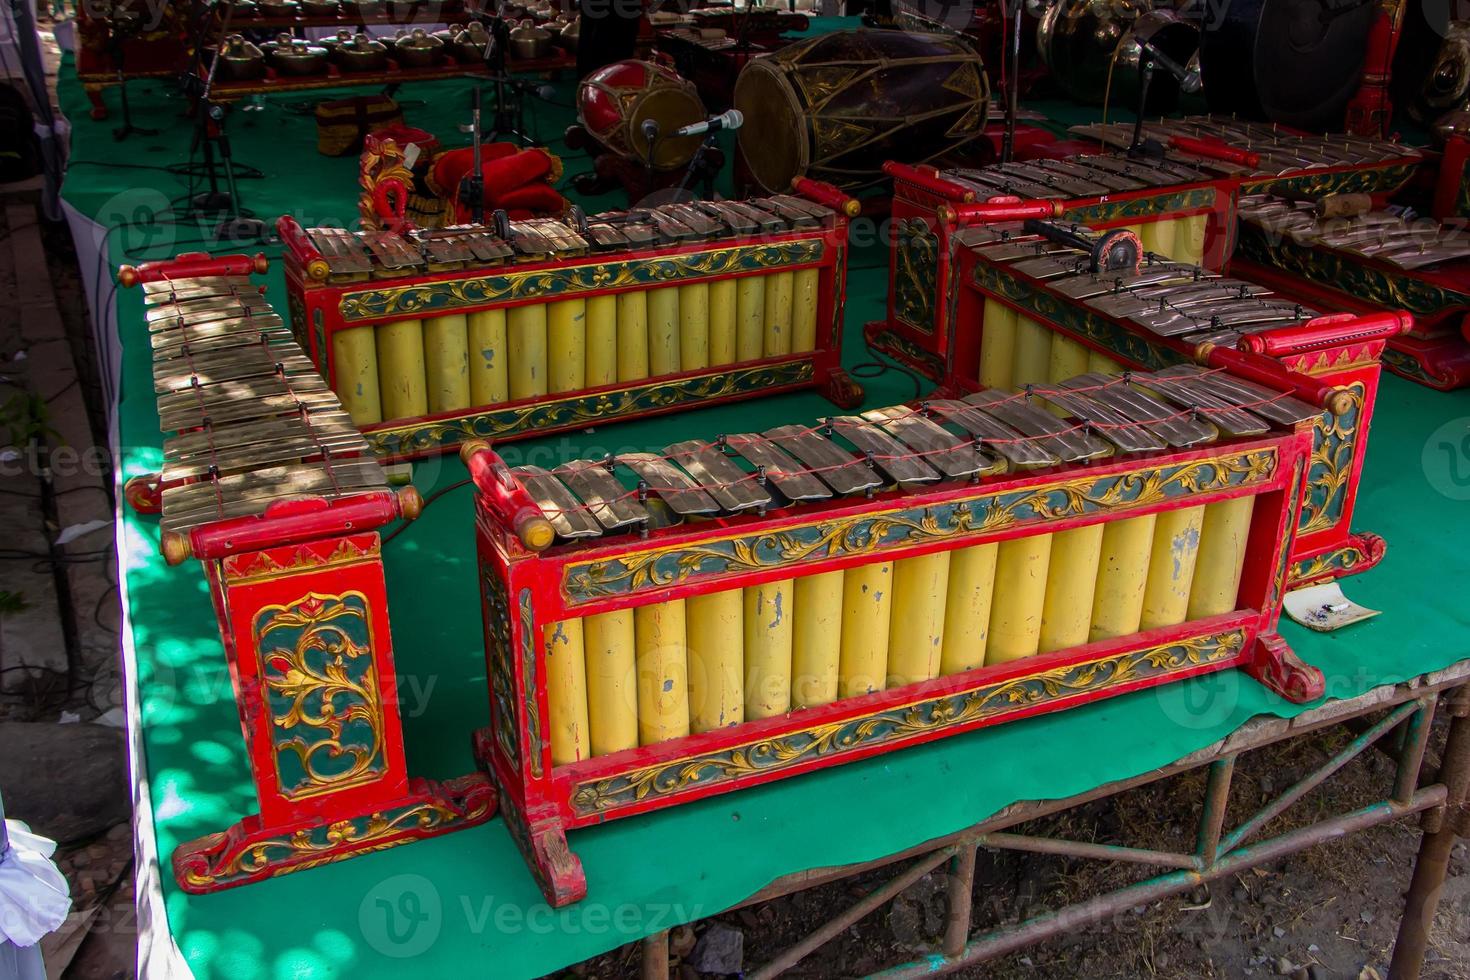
<point x="875" y="368"/>
<point x="403" y="526"/>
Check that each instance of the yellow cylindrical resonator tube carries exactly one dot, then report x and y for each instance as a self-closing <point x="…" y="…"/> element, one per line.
<point x="488" y="354"/>
<point x="867" y="610"/>
<point x="663" y="331"/>
<point x="633" y="336"/>
<point x="602" y="341"/>
<point x="780" y="287"/>
<point x="816" y="643"/>
<point x="1033" y="352"/>
<point x="663" y="681"/>
<point x="997" y="344"/>
<point x="967" y="608"/>
<point x="1117" y="604"/>
<point x="1066" y="615"/>
<point x="566" y="691"/>
<point x="716" y="660"/>
<point x="804" y="310"/>
<point x="355" y="367"/>
<point x="1171" y="567"/>
<point x="1020" y="585"/>
<point x="768" y="641"/>
<point x="723" y="307"/>
<point x="525" y="328"/>
<point x="401" y="376"/>
<point x="1222" y="541"/>
<point x="916" y="633"/>
<point x="447" y="360"/>
<point x="750" y="318"/>
<point x="612" y="687"/>
<point x="694" y="326"/>
<point x="566" y="343"/>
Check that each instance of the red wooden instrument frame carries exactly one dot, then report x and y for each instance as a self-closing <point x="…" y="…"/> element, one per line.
<point x="317" y="312"/>
<point x="1344" y="355"/>
<point x="308" y="573"/>
<point x="524" y="591"/>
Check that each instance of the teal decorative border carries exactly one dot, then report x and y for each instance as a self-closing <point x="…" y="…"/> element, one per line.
<point x="1316" y="184"/>
<point x="1074" y="317"/>
<point x="869" y="534"/>
<point x="427" y="299"/>
<point x="500" y="664"/>
<point x="1347" y="273"/>
<point x="1195" y="199"/>
<point x="498" y="423"/>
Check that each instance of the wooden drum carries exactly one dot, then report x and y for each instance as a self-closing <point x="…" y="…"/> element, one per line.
<point x="837" y="106"/>
<point x="614" y="102"/>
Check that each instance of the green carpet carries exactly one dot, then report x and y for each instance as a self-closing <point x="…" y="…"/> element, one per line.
<point x="465" y="902"/>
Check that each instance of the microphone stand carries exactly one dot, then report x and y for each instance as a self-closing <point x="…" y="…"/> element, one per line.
<point x="472" y="186"/>
<point x="510" y="121"/>
<point x="1149" y="57"/>
<point x="696" y="164"/>
<point x="1013" y="86"/>
<point x="117" y="39"/>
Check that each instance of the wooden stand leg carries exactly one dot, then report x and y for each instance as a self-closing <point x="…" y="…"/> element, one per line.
<point x="1442" y="828"/>
<point x="961" y="898"/>
<point x="94" y="96"/>
<point x="1281" y="670"/>
<point x="541" y="837"/>
<point x="656" y="957"/>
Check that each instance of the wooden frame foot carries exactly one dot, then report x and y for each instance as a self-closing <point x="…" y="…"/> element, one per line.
<point x="1277" y="667"/>
<point x="250" y="851"/>
<point x="840" y="389"/>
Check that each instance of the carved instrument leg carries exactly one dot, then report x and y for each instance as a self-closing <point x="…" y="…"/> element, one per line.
<point x="841" y="390"/>
<point x="250" y="851"/>
<point x="1281" y="670"/>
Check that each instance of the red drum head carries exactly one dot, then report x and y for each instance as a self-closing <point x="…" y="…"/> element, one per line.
<point x="614" y="101"/>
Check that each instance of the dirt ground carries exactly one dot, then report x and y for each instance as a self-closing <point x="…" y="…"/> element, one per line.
<point x="1329" y="912"/>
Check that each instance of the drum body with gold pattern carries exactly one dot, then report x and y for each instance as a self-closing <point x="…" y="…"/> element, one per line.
<point x="837" y="106"/>
<point x="615" y="102"/>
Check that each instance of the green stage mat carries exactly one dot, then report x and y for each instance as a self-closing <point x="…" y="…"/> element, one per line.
<point x="466" y="902"/>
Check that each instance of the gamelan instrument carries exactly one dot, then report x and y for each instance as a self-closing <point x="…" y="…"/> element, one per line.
<point x="430" y="338"/>
<point x="1258" y="156"/>
<point x="836" y="106"/>
<point x="634" y="107"/>
<point x="1295" y="62"/>
<point x="1370" y="260"/>
<point x="268" y="483"/>
<point x="1011" y="305"/>
<point x="665" y="626"/>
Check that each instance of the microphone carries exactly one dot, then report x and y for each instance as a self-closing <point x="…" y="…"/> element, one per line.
<point x="730" y="119"/>
<point x="1190" y="79"/>
<point x="650" y="130"/>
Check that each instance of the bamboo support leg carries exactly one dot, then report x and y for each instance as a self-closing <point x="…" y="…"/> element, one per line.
<point x="602" y="341"/>
<point x="723" y="307"/>
<point x="566" y="691"/>
<point x="525" y="328"/>
<point x="663" y="681"/>
<point x="489" y="376"/>
<point x="1222" y="540"/>
<point x="768" y="641"/>
<point x="566" y="341"/>
<point x="816" y="647"/>
<point x="967" y="608"/>
<point x="612" y="690"/>
<point x="716" y="660"/>
<point x="1117" y="604"/>
<point x="916" y="634"/>
<point x="997" y="344"/>
<point x="355" y="367"/>
<point x="447" y="359"/>
<point x="1171" y="567"/>
<point x="1020" y="593"/>
<point x="401" y="377"/>
<point x="867" y="607"/>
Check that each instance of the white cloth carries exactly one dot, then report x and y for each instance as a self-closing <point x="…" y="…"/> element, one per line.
<point x="34" y="897"/>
